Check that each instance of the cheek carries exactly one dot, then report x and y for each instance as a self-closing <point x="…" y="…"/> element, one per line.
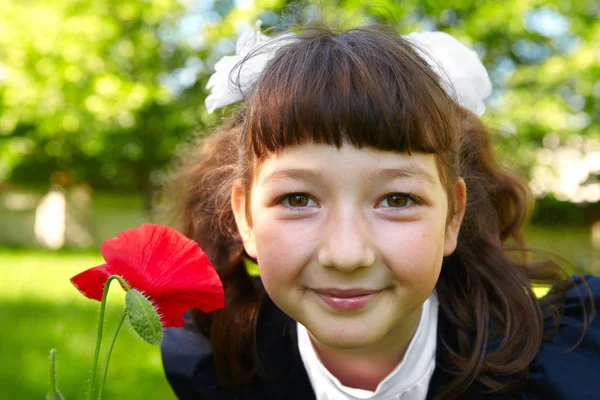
<point x="283" y="248"/>
<point x="416" y="251"/>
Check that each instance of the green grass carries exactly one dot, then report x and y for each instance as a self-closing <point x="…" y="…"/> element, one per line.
<point x="40" y="310"/>
<point x="572" y="243"/>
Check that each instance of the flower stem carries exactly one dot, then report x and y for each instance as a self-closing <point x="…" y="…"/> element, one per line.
<point x="52" y="373"/>
<point x="110" y="347"/>
<point x="100" y="326"/>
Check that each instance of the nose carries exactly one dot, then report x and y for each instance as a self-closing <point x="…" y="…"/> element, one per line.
<point x="347" y="241"/>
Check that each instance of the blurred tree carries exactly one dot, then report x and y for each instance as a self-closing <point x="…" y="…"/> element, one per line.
<point x="83" y="92"/>
<point x="104" y="91"/>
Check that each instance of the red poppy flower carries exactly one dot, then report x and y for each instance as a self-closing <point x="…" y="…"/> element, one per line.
<point x="168" y="268"/>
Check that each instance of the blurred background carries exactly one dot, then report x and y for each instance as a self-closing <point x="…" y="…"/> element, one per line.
<point x="95" y="97"/>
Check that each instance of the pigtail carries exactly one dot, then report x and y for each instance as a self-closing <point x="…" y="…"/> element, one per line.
<point x="484" y="290"/>
<point x="200" y="191"/>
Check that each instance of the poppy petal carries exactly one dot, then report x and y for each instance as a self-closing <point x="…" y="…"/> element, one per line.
<point x="201" y="300"/>
<point x="125" y="254"/>
<point x="158" y="260"/>
<point x="163" y="264"/>
<point x="91" y="282"/>
<point x="171" y="313"/>
<point x="172" y="307"/>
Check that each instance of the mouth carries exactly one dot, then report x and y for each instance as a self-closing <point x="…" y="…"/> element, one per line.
<point x="347" y="299"/>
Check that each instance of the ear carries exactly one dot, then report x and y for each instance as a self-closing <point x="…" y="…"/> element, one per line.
<point x="238" y="204"/>
<point x="453" y="227"/>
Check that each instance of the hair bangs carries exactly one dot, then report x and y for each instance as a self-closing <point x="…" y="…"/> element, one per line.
<point x="357" y="87"/>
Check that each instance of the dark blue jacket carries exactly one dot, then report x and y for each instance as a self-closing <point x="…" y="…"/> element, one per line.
<point x="555" y="373"/>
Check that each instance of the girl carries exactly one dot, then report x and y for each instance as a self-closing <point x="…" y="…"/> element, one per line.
<point x="359" y="177"/>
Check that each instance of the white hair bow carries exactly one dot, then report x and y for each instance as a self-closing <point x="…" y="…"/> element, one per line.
<point x="462" y="74"/>
<point x="255" y="50"/>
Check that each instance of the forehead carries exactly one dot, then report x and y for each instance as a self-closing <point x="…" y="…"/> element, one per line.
<point x="319" y="161"/>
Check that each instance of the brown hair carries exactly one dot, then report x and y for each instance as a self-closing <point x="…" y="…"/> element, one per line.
<point x="369" y="87"/>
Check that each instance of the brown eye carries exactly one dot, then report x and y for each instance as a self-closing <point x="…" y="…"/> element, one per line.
<point x="298" y="200"/>
<point x="397" y="201"/>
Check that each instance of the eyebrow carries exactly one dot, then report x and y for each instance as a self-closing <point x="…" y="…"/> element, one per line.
<point x="411" y="171"/>
<point x="293" y="173"/>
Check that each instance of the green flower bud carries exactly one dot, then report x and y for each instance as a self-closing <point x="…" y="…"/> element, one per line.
<point x="143" y="317"/>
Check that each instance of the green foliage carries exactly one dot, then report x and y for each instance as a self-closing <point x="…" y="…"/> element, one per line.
<point x="82" y="94"/>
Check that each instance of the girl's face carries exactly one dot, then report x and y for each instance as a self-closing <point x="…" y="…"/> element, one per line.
<point x="349" y="241"/>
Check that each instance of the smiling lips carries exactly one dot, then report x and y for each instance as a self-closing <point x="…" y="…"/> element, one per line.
<point x="346" y="299"/>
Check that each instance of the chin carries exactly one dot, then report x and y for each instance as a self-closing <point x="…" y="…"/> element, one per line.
<point x="344" y="338"/>
<point x="347" y="344"/>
